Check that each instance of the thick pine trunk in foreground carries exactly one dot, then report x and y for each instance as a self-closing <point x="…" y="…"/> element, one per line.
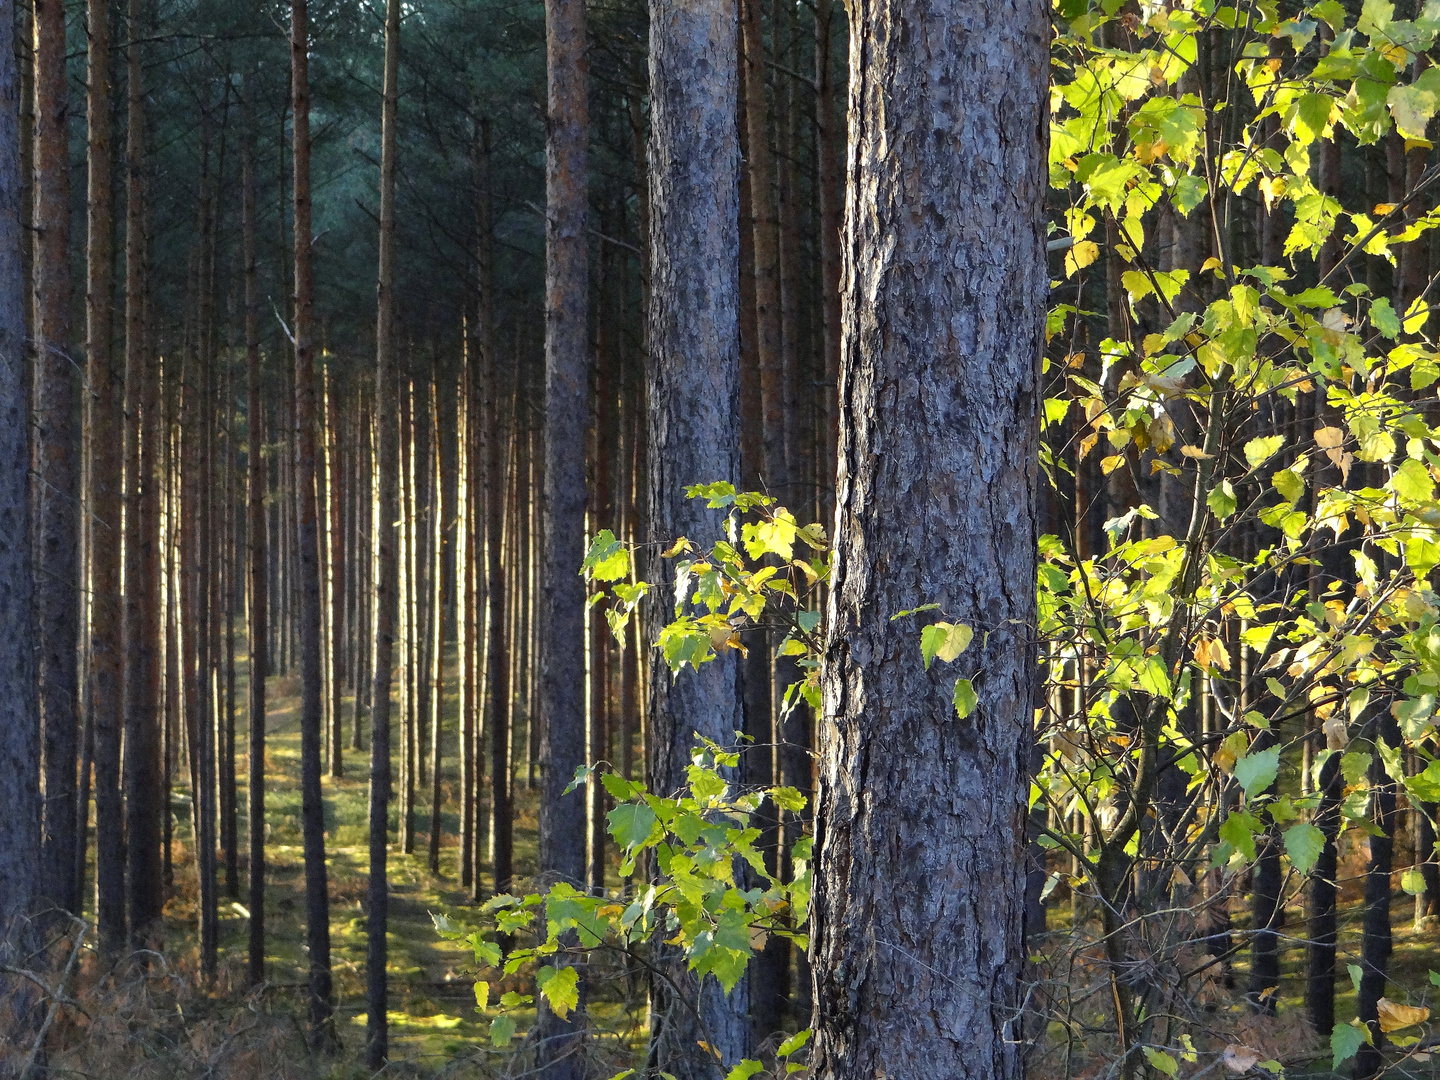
<point x="567" y="412"/>
<point x="20" y="804"/>
<point x="694" y="434"/>
<point x="307" y="554"/>
<point x="56" y="462"/>
<point x="944" y="311"/>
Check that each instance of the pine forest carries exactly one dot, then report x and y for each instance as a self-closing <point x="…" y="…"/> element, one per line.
<point x="719" y="539"/>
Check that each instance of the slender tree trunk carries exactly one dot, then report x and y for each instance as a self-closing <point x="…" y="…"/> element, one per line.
<point x="567" y="392"/>
<point x="307" y="555"/>
<point x="258" y="630"/>
<point x="56" y="464"/>
<point x="829" y="133"/>
<point x="1375" y="941"/>
<point x="694" y="435"/>
<point x="440" y="514"/>
<point x="464" y="613"/>
<point x="337" y="572"/>
<point x="106" y="473"/>
<point x="769" y="334"/>
<point x="229" y="809"/>
<point x="144" y="423"/>
<point x="20" y="804"/>
<point x="408" y="617"/>
<point x="944" y="310"/>
<point x="385" y="562"/>
<point x="499" y="690"/>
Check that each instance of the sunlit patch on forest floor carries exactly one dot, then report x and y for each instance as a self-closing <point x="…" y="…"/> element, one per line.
<point x="433" y="1023"/>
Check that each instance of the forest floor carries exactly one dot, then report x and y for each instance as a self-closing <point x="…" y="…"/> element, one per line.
<point x="434" y="1027"/>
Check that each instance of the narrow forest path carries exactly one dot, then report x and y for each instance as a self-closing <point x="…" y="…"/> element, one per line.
<point x="432" y="1014"/>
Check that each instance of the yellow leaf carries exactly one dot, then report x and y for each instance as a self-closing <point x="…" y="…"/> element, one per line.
<point x="1111" y="463"/>
<point x="1191" y="451"/>
<point x="1395" y="1016"/>
<point x="1081" y="254"/>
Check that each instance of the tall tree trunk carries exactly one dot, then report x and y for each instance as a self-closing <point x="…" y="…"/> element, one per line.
<point x="499" y="690"/>
<point x="335" y="565"/>
<point x="230" y="542"/>
<point x="567" y="392"/>
<point x="258" y="630"/>
<point x="694" y="433"/>
<point x="106" y="452"/>
<point x="56" y="463"/>
<point x="408" y="617"/>
<point x="441" y="511"/>
<point x="465" y="612"/>
<point x="944" y="309"/>
<point x="385" y="562"/>
<point x="769" y="334"/>
<point x="20" y="804"/>
<point x="144" y="425"/>
<point x="307" y="554"/>
<point x="1375" y="941"/>
<point x="829" y="133"/>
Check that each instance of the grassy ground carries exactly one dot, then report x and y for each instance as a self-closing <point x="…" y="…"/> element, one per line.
<point x="432" y="1017"/>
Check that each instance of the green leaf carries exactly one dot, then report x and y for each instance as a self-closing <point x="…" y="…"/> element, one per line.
<point x="1289" y="484"/>
<point x="964" y="698"/>
<point x="502" y="1030"/>
<point x="1413" y="881"/>
<point x="1256" y="772"/>
<point x="1221" y="499"/>
<point x="1356" y="974"/>
<point x="1384" y="318"/>
<point x="631" y="824"/>
<point x="1312" y="115"/>
<point x="1259" y="451"/>
<point x="561" y="987"/>
<point x="793" y="1043"/>
<point x="1345" y="1042"/>
<point x="1161" y="1061"/>
<point x="1426" y="785"/>
<point x="788" y="798"/>
<point x="1412" y="482"/>
<point x="482" y="995"/>
<point x="1239" y="831"/>
<point x="607" y="559"/>
<point x="1154" y="679"/>
<point x="1303" y="843"/>
<point x="746" y="1069"/>
<point x="719" y="494"/>
<point x="914" y="611"/>
<point x="945" y="640"/>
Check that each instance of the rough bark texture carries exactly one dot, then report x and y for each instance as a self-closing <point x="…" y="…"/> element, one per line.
<point x="56" y="463"/>
<point x="145" y="895"/>
<point x="103" y="427"/>
<point x="694" y="431"/>
<point x="386" y="564"/>
<point x="919" y="890"/>
<point x="307" y="555"/>
<point x="19" y="717"/>
<point x="567" y="410"/>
